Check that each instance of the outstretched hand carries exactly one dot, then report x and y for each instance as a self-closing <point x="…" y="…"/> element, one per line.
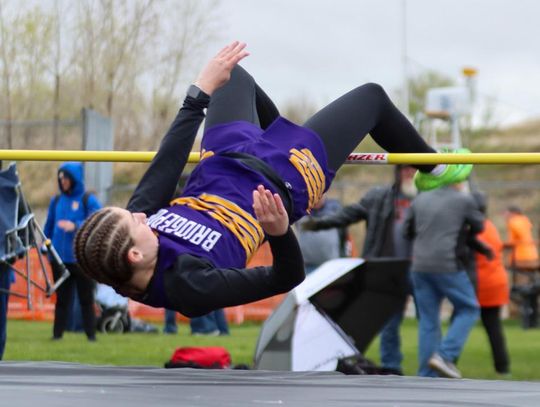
<point x="270" y="212"/>
<point x="217" y="71"/>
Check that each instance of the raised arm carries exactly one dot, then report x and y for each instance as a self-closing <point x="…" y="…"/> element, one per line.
<point x="157" y="186"/>
<point x="349" y="214"/>
<point x="159" y="182"/>
<point x="346" y="216"/>
<point x="479" y="246"/>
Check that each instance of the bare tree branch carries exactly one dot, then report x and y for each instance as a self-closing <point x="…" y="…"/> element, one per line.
<point x="6" y="76"/>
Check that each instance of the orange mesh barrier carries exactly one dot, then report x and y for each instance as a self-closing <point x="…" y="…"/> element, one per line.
<point x="43" y="307"/>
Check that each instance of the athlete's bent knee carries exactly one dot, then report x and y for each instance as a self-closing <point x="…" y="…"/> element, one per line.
<point x="374" y="89"/>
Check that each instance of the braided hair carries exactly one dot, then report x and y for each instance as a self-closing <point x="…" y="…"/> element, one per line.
<point x="101" y="247"/>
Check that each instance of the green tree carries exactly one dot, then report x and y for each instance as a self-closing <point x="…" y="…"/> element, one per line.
<point x="127" y="59"/>
<point x="8" y="63"/>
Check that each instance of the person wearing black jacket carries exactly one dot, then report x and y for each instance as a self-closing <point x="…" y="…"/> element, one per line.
<point x="383" y="209"/>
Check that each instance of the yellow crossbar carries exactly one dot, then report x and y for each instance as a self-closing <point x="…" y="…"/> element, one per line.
<point x="355" y="158"/>
<point x="472" y="158"/>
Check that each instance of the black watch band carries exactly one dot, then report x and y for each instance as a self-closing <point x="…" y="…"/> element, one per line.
<point x="195" y="92"/>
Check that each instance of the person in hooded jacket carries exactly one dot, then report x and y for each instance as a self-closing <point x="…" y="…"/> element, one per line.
<point x="67" y="211"/>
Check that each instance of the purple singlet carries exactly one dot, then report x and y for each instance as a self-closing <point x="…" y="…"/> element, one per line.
<point x="214" y="217"/>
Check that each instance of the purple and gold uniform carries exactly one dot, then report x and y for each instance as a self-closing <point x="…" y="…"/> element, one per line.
<point x="214" y="218"/>
<point x="208" y="234"/>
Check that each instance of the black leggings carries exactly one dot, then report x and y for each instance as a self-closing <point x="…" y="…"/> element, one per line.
<point x="491" y="320"/>
<point x="341" y="125"/>
<point x="64" y="300"/>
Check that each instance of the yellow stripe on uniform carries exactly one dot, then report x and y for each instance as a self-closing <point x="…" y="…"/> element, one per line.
<point x="313" y="166"/>
<point x="246" y="220"/>
<point x="306" y="164"/>
<point x="244" y="226"/>
<point x="316" y="175"/>
<point x="245" y="237"/>
<point x="300" y="167"/>
<point x="236" y="225"/>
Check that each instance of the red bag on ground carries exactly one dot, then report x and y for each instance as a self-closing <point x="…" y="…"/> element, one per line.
<point x="209" y="357"/>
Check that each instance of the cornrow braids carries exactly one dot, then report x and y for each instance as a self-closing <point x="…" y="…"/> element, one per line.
<point x="101" y="247"/>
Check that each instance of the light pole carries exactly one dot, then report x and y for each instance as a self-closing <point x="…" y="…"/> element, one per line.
<point x="405" y="91"/>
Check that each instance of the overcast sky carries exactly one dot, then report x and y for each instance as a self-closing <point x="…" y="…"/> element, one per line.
<point x="320" y="49"/>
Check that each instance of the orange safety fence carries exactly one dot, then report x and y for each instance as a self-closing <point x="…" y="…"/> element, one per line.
<point x="43" y="307"/>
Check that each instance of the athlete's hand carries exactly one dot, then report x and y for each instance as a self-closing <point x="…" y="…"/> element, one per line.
<point x="270" y="212"/>
<point x="217" y="71"/>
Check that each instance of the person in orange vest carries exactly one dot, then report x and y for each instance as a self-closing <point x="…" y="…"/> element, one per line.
<point x="520" y="239"/>
<point x="524" y="260"/>
<point x="492" y="289"/>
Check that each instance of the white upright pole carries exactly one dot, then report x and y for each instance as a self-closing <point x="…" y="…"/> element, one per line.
<point x="405" y="99"/>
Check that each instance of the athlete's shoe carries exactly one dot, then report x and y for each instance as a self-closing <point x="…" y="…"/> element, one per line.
<point x="452" y="174"/>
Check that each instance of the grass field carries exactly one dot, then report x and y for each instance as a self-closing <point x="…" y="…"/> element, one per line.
<point x="30" y="341"/>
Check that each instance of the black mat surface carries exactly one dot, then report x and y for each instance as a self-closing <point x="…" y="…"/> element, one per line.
<point x="48" y="384"/>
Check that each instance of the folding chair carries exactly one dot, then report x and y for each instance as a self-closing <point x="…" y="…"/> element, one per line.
<point x="20" y="233"/>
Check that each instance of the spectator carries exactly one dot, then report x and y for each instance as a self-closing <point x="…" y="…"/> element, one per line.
<point x="492" y="289"/>
<point x="6" y="278"/>
<point x="383" y="209"/>
<point x="523" y="261"/>
<point x="5" y="284"/>
<point x="322" y="245"/>
<point x="440" y="221"/>
<point x="520" y="239"/>
<point x="170" y="326"/>
<point x="213" y="323"/>
<point x="75" y="319"/>
<point x="67" y="211"/>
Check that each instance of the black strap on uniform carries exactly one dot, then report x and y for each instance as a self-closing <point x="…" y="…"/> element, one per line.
<point x="268" y="172"/>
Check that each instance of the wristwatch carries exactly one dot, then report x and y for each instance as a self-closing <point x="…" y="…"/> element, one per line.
<point x="195" y="92"/>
